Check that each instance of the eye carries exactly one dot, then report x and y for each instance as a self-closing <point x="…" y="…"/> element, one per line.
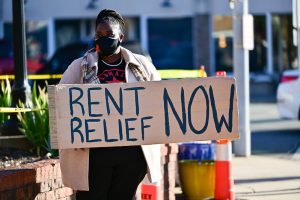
<point x="98" y="36"/>
<point x="111" y="35"/>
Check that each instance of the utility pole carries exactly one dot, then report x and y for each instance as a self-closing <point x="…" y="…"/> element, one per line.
<point x="20" y="89"/>
<point x="242" y="43"/>
<point x="1" y="20"/>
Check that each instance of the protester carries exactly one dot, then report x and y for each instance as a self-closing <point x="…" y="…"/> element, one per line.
<point x="109" y="173"/>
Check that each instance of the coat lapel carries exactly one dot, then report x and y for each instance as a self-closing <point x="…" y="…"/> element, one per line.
<point x="89" y="65"/>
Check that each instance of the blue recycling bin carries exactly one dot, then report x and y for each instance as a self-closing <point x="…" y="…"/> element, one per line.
<point x="196" y="151"/>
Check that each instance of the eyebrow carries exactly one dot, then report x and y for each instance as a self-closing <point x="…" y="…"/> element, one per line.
<point x="105" y="33"/>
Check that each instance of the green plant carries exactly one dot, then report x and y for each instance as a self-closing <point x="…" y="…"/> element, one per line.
<point x="35" y="124"/>
<point x="5" y="99"/>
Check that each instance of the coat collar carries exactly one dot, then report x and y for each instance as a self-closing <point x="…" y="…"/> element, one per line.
<point x="128" y="56"/>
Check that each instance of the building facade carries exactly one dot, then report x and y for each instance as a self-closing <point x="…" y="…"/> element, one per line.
<point x="177" y="34"/>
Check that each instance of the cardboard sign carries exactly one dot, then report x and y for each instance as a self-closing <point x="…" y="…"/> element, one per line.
<point x="170" y="111"/>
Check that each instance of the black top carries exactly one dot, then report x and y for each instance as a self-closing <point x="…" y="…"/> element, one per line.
<point x="112" y="73"/>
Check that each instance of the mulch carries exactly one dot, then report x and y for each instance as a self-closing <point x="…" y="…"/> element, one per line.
<point x="14" y="158"/>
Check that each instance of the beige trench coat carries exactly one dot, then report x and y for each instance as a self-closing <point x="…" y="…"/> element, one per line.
<point x="75" y="163"/>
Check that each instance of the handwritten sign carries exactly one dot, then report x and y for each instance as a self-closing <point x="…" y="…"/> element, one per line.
<point x="85" y="116"/>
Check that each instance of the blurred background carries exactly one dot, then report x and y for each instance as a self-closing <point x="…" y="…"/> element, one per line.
<point x="175" y="34"/>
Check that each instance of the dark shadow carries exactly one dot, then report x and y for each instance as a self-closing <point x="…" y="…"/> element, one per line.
<point x="237" y="181"/>
<point x="261" y="121"/>
<point x="269" y="193"/>
<point x="275" y="141"/>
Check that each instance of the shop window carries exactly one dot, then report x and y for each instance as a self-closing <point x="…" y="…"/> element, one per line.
<point x="170" y="43"/>
<point x="36" y="41"/>
<point x="67" y="32"/>
<point x="285" y="53"/>
<point x="258" y="56"/>
<point x="132" y="29"/>
<point x="222" y="35"/>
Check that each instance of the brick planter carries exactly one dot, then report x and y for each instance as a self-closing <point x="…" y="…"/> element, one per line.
<point x="39" y="180"/>
<point x="169" y="162"/>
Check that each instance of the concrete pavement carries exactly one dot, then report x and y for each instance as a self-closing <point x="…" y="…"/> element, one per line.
<point x="273" y="170"/>
<point x="266" y="177"/>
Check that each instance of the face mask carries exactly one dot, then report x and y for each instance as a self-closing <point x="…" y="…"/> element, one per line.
<point x="107" y="45"/>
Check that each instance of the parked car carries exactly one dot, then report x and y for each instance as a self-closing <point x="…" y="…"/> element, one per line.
<point x="7" y="60"/>
<point x="289" y="75"/>
<point x="61" y="59"/>
<point x="288" y="95"/>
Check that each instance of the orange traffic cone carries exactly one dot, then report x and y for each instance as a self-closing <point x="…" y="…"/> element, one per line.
<point x="224" y="180"/>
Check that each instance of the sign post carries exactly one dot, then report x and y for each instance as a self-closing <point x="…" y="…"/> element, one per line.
<point x="241" y="49"/>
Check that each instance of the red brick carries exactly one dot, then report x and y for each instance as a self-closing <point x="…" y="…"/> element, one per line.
<point x="38" y="180"/>
<point x="21" y="193"/>
<point x="72" y="197"/>
<point x="56" y="183"/>
<point x="45" y="186"/>
<point x="45" y="196"/>
<point x="8" y="195"/>
<point x="63" y="192"/>
<point x="44" y="169"/>
<point x="170" y="167"/>
<point x="173" y="158"/>
<point x="15" y="178"/>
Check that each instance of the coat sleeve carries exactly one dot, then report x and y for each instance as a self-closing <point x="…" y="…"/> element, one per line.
<point x="73" y="74"/>
<point x="150" y="68"/>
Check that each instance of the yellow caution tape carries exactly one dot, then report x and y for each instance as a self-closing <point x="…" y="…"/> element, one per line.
<point x="44" y="76"/>
<point x="17" y="110"/>
<point x="34" y="76"/>
<point x="165" y="74"/>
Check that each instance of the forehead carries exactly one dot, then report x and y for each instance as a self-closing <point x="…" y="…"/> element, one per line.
<point x="107" y="27"/>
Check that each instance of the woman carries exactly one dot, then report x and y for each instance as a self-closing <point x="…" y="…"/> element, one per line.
<point x="109" y="173"/>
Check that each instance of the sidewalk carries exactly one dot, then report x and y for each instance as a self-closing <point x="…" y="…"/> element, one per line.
<point x="268" y="177"/>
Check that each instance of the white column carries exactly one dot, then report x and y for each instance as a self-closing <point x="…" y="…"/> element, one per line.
<point x="242" y="146"/>
<point x="298" y="30"/>
<point x="144" y="32"/>
<point x="51" y="37"/>
<point x="1" y="20"/>
<point x="270" y="43"/>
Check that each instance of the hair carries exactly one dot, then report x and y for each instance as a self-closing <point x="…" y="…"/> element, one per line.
<point x="112" y="17"/>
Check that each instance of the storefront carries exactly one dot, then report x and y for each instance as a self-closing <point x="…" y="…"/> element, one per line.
<point x="176" y="34"/>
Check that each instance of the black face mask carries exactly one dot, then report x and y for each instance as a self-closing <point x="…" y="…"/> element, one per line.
<point x="107" y="45"/>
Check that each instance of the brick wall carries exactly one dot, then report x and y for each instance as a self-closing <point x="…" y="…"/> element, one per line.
<point x="42" y="180"/>
<point x="168" y="170"/>
<point x="169" y="162"/>
<point x="39" y="180"/>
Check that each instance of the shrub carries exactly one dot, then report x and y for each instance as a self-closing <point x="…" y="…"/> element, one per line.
<point x="35" y="124"/>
